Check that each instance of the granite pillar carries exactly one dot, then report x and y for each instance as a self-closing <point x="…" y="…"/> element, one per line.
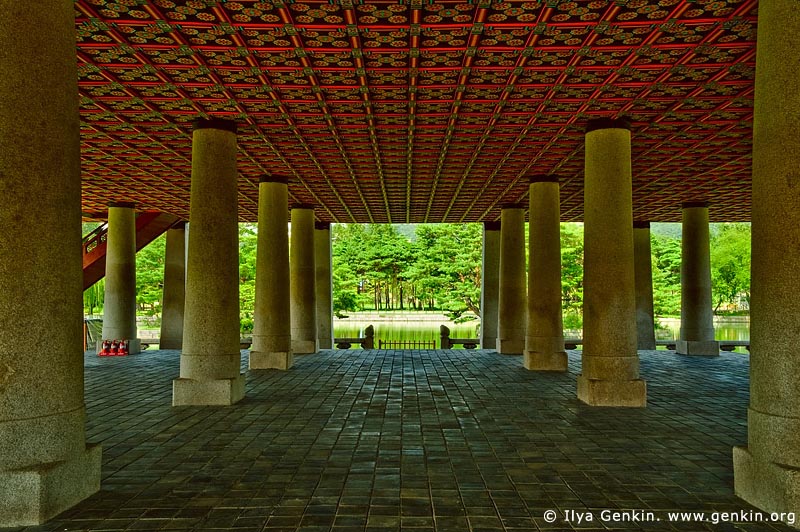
<point x="46" y="465"/>
<point x="643" y="266"/>
<point x="119" y="302"/>
<point x="610" y="364"/>
<point x="490" y="284"/>
<point x="544" y="340"/>
<point x="697" y="317"/>
<point x="174" y="293"/>
<point x="303" y="277"/>
<point x="272" y="337"/>
<point x="324" y="284"/>
<point x="511" y="309"/>
<point x="209" y="371"/>
<point x="767" y="470"/>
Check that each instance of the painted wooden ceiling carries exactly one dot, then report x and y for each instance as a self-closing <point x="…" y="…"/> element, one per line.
<point x="417" y="111"/>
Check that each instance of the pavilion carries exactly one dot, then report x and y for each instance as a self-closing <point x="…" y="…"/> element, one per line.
<point x="614" y="113"/>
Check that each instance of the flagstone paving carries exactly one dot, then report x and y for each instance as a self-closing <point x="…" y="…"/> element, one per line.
<point x="380" y="441"/>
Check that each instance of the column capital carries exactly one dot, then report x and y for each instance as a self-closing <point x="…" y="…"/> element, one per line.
<point x="322" y="226"/>
<point x="692" y="204"/>
<point x="214" y="123"/>
<point x="491" y="226"/>
<point x="122" y="204"/>
<point x="543" y="178"/>
<point x="607" y="123"/>
<point x="641" y="225"/>
<point x="274" y="179"/>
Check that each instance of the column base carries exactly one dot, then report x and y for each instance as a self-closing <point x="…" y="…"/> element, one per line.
<point x="271" y="360"/>
<point x="489" y="342"/>
<point x="766" y="485"/>
<point x="220" y="392"/>
<point x="709" y="348"/>
<point x="134" y="346"/>
<point x="595" y="392"/>
<point x="174" y="343"/>
<point x="538" y="361"/>
<point x="510" y="346"/>
<point x="34" y="495"/>
<point x="304" y="347"/>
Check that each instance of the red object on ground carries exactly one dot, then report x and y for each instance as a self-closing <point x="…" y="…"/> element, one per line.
<point x="105" y="351"/>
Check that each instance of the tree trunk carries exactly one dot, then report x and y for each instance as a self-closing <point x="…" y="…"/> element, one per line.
<point x="472" y="306"/>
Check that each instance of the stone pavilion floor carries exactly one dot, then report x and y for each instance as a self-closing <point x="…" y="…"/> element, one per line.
<point x="381" y="441"/>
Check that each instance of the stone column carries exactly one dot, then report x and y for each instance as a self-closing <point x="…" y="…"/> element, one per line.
<point x="511" y="309"/>
<point x="272" y="337"/>
<point x="210" y="358"/>
<point x="544" y="342"/>
<point x="490" y="283"/>
<point x="119" y="303"/>
<point x="303" y="291"/>
<point x="324" y="284"/>
<point x="174" y="294"/>
<point x="697" y="316"/>
<point x="767" y="471"/>
<point x="643" y="266"/>
<point x="45" y="463"/>
<point x="610" y="364"/>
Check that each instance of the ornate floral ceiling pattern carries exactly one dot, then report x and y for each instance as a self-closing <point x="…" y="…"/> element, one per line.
<point x="414" y="111"/>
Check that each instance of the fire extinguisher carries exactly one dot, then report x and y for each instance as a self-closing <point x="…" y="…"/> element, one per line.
<point x="123" y="348"/>
<point x="114" y="348"/>
<point x="106" y="348"/>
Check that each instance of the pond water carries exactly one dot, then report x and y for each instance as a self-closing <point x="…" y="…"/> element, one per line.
<point x="725" y="328"/>
<point x="408" y="330"/>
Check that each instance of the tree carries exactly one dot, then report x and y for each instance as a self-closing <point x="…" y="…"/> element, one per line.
<point x="349" y="267"/>
<point x="666" y="261"/>
<point x="730" y="265"/>
<point x="93" y="298"/>
<point x="386" y="256"/>
<point x="94" y="295"/>
<point x="150" y="276"/>
<point x="448" y="267"/>
<point x="248" y="244"/>
<point x="572" y="274"/>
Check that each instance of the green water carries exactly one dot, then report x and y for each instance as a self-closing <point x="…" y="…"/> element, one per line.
<point x="724" y="329"/>
<point x="427" y="331"/>
<point x="405" y="331"/>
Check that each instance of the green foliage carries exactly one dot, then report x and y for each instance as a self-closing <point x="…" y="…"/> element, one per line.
<point x="666" y="261"/>
<point x="248" y="243"/>
<point x="448" y="267"/>
<point x="572" y="274"/>
<point x="150" y="276"/>
<point x="93" y="298"/>
<point x="376" y="266"/>
<point x="94" y="295"/>
<point x="730" y="266"/>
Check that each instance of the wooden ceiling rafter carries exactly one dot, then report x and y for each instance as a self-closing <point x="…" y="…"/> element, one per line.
<point x="413" y="111"/>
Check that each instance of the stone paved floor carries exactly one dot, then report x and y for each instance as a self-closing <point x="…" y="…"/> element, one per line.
<point x="379" y="441"/>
